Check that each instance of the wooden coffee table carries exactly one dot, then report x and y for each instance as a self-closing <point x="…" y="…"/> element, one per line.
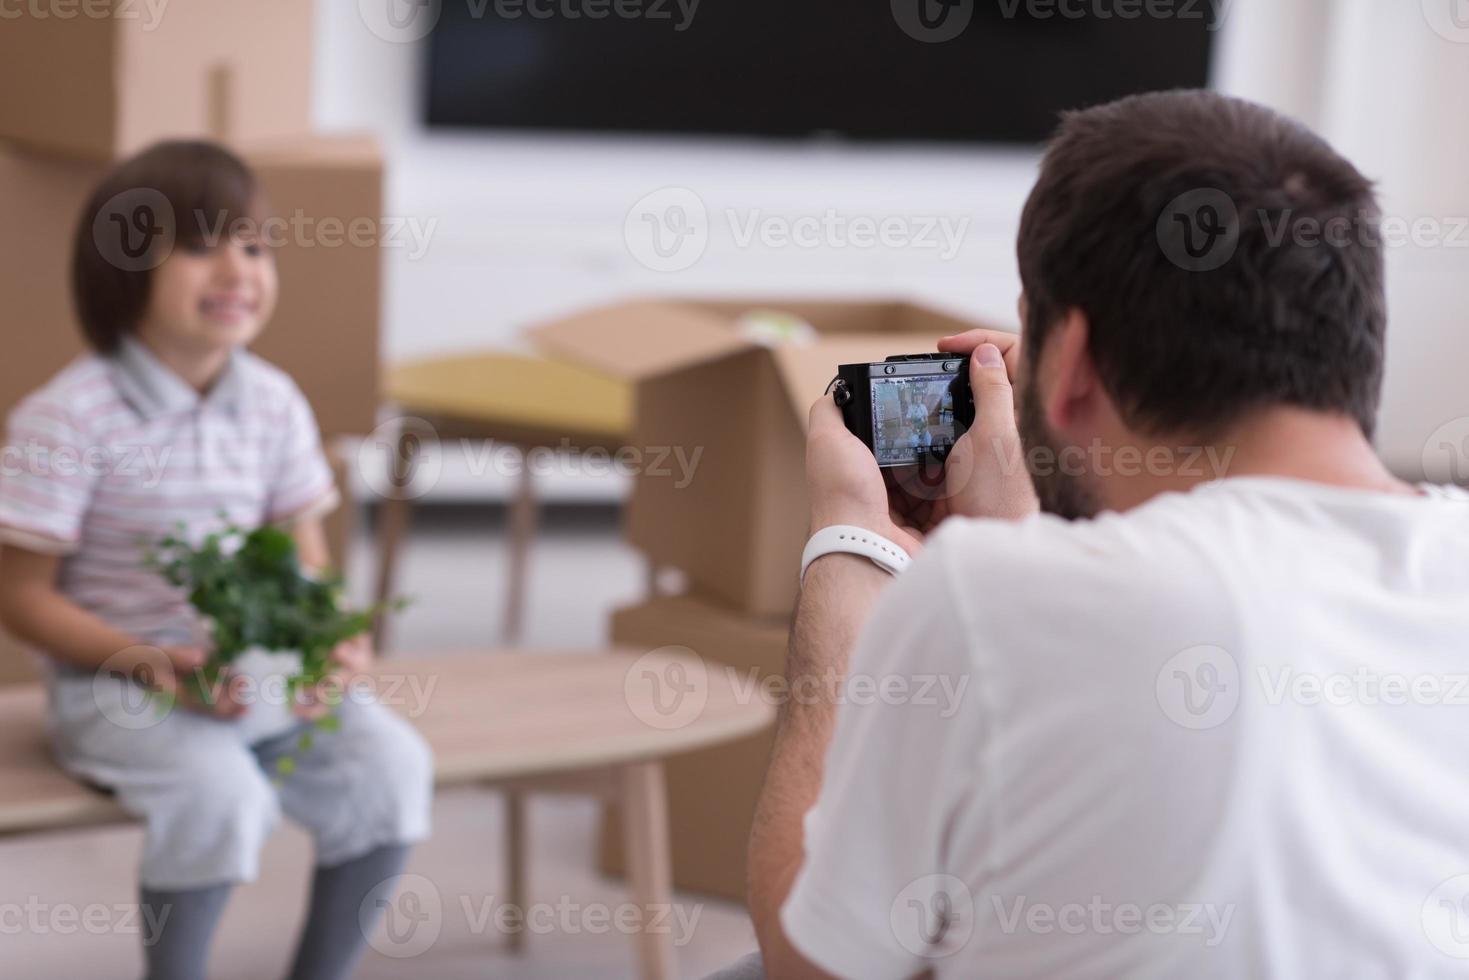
<point x="512" y="719"/>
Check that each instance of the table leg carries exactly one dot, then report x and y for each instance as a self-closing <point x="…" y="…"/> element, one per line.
<point x="523" y="514"/>
<point x="394" y="514"/>
<point x="649" y="866"/>
<point x="515" y="861"/>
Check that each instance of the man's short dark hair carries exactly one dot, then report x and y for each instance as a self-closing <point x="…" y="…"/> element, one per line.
<point x="195" y="189"/>
<point x="1226" y="259"/>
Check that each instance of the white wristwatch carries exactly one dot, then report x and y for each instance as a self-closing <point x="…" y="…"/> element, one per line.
<point x="855" y="541"/>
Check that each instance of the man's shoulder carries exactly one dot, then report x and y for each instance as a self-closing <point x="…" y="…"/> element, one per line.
<point x="1157" y="556"/>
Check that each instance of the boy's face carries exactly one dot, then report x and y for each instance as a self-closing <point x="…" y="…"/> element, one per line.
<point x="206" y="299"/>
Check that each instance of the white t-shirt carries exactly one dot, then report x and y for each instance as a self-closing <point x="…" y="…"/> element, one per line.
<point x="1225" y="734"/>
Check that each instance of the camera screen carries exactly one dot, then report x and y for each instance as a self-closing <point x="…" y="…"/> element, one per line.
<point x="913" y="418"/>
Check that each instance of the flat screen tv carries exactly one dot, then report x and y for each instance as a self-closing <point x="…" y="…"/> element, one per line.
<point x="910" y="70"/>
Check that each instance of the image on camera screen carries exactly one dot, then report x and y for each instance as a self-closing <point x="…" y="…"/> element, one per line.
<point x="912" y="418"/>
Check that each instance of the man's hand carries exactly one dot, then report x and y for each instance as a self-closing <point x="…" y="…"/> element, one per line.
<point x="985" y="474"/>
<point x="351" y="658"/>
<point x="845" y="483"/>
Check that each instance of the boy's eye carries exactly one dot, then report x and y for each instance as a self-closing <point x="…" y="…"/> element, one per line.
<point x="196" y="248"/>
<point x="254" y="249"/>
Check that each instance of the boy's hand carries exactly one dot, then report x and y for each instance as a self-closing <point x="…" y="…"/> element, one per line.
<point x="351" y="658"/>
<point x="220" y="700"/>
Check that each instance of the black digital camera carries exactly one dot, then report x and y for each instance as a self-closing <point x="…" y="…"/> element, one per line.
<point x="909" y="409"/>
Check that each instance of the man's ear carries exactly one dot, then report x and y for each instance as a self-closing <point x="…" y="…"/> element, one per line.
<point x="1075" y="390"/>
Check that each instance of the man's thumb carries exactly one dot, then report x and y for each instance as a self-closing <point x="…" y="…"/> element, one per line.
<point x="993" y="396"/>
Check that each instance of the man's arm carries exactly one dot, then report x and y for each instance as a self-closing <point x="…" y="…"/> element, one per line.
<point x="838" y="593"/>
<point x="846" y="487"/>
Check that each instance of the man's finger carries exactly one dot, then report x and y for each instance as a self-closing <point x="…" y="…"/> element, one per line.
<point x="825" y="415"/>
<point x="970" y="340"/>
<point x="994" y="398"/>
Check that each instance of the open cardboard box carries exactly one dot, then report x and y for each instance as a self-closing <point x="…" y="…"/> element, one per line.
<point x="727" y="416"/>
<point x="100" y="80"/>
<point x="325" y="328"/>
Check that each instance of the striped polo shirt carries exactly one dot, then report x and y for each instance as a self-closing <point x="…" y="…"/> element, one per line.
<point x="118" y="451"/>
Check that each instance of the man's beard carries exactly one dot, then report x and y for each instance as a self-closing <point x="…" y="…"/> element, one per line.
<point x="1061" y="494"/>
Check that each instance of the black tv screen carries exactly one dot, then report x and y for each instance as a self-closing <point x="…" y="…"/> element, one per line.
<point x="950" y="70"/>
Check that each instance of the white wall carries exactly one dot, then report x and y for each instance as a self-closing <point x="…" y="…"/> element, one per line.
<point x="532" y="226"/>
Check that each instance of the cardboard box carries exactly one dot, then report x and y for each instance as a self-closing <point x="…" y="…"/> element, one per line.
<point x="735" y="518"/>
<point x="325" y="331"/>
<point x="711" y="793"/>
<point x="101" y="80"/>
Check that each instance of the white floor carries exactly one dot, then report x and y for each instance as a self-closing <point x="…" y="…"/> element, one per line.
<point x="64" y="899"/>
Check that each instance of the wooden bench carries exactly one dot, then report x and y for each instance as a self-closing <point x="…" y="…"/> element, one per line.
<point x="511" y="719"/>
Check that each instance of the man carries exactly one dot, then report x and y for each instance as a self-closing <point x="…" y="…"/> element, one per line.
<point x="1197" y="719"/>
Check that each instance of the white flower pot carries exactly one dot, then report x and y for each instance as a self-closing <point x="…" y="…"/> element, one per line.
<point x="266" y="693"/>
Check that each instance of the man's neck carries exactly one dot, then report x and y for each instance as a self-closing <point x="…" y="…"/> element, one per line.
<point x="1289" y="443"/>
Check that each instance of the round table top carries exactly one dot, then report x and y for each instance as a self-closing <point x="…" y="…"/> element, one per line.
<point x="488" y="715"/>
<point x="516" y="391"/>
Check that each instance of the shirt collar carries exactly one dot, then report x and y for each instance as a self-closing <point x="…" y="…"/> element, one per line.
<point x="153" y="389"/>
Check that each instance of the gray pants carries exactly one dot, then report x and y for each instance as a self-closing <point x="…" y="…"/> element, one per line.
<point x="208" y="799"/>
<point x="752" y="967"/>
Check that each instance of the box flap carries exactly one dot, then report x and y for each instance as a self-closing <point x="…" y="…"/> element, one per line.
<point x="638" y="339"/>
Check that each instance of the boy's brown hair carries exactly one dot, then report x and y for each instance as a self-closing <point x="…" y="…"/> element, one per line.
<point x="181" y="194"/>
